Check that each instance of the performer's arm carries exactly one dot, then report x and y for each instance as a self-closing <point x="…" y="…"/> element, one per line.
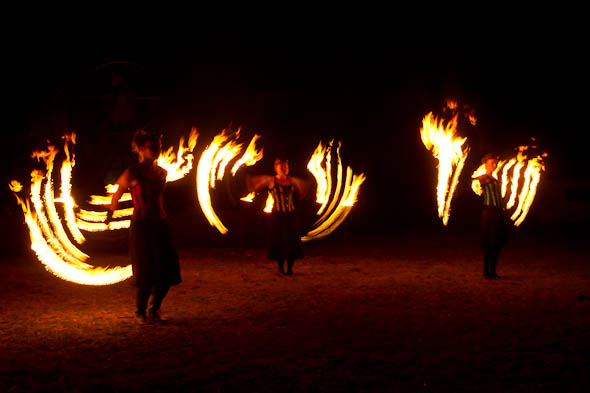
<point x="124" y="183"/>
<point x="257" y="183"/>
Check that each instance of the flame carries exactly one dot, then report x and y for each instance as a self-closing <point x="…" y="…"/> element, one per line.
<point x="15" y="186"/>
<point x="512" y="180"/>
<point x="321" y="175"/>
<point x="269" y="203"/>
<point x="66" y="190"/>
<point x="348" y="199"/>
<point x="48" y="237"/>
<point x="251" y="156"/>
<point x="340" y="204"/>
<point x="212" y="165"/>
<point x="448" y="149"/>
<point x="248" y="198"/>
<point x="180" y="164"/>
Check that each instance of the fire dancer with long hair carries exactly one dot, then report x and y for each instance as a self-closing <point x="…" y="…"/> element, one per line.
<point x="153" y="256"/>
<point x="284" y="240"/>
<point x="494" y="228"/>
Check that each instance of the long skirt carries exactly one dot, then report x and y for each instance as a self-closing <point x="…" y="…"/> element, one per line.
<point x="153" y="256"/>
<point x="284" y="240"/>
<point x="494" y="229"/>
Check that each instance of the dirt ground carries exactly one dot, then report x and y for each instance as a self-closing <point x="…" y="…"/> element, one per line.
<point x="400" y="313"/>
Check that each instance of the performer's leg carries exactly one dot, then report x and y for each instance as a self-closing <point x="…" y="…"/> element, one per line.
<point x="487" y="262"/>
<point x="494" y="262"/>
<point x="281" y="263"/>
<point x="158" y="295"/>
<point x="143" y="295"/>
<point x="290" y="262"/>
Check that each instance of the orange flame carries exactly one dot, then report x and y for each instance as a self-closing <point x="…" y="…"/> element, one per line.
<point x="249" y="198"/>
<point x="341" y="203"/>
<point x="448" y="149"/>
<point x="48" y="237"/>
<point x="269" y="203"/>
<point x="212" y="165"/>
<point x="512" y="180"/>
<point x="180" y="164"/>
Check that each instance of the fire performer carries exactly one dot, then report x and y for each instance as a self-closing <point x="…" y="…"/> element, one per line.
<point x="153" y="256"/>
<point x="284" y="240"/>
<point x="494" y="228"/>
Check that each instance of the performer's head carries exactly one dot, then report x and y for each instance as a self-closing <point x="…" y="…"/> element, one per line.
<point x="281" y="166"/>
<point x="490" y="162"/>
<point x="147" y="145"/>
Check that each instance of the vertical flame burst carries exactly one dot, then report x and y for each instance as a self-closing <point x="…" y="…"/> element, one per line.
<point x="211" y="168"/>
<point x="449" y="150"/>
<point x="513" y="178"/>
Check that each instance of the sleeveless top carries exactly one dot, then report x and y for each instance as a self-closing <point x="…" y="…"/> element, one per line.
<point x="147" y="195"/>
<point x="283" y="198"/>
<point x="491" y="194"/>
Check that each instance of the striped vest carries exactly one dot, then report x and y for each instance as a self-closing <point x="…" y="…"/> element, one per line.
<point x="283" y="198"/>
<point x="491" y="194"/>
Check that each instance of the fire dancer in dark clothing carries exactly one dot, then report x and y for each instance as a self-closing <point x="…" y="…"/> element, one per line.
<point x="284" y="239"/>
<point x="494" y="228"/>
<point x="153" y="257"/>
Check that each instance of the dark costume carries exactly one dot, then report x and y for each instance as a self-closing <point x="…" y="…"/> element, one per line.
<point x="284" y="239"/>
<point x="494" y="228"/>
<point x="153" y="256"/>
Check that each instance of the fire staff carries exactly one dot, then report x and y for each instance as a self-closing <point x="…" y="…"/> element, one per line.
<point x="494" y="228"/>
<point x="284" y="241"/>
<point x="153" y="256"/>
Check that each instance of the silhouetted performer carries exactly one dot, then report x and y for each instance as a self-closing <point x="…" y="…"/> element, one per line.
<point x="153" y="256"/>
<point x="284" y="240"/>
<point x="494" y="228"/>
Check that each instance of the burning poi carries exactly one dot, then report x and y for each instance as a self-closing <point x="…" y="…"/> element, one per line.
<point x="520" y="172"/>
<point x="451" y="152"/>
<point x="49" y="238"/>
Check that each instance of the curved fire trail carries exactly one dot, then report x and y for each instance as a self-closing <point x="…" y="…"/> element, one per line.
<point x="334" y="204"/>
<point x="513" y="178"/>
<point x="49" y="239"/>
<point x="178" y="165"/>
<point x="211" y="168"/>
<point x="448" y="148"/>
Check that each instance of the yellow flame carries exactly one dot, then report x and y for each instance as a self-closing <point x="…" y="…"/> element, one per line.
<point x="50" y="242"/>
<point x="15" y="186"/>
<point x="528" y="186"/>
<point x="248" y="198"/>
<point x="179" y="164"/>
<point x="349" y="197"/>
<point x="514" y="181"/>
<point x="66" y="190"/>
<point x="340" y="205"/>
<point x="251" y="156"/>
<point x="448" y="149"/>
<point x="320" y="174"/>
<point x="80" y="273"/>
<point x="212" y="165"/>
<point x="269" y="203"/>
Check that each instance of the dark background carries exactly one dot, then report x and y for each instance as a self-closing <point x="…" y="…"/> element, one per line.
<point x="368" y="89"/>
